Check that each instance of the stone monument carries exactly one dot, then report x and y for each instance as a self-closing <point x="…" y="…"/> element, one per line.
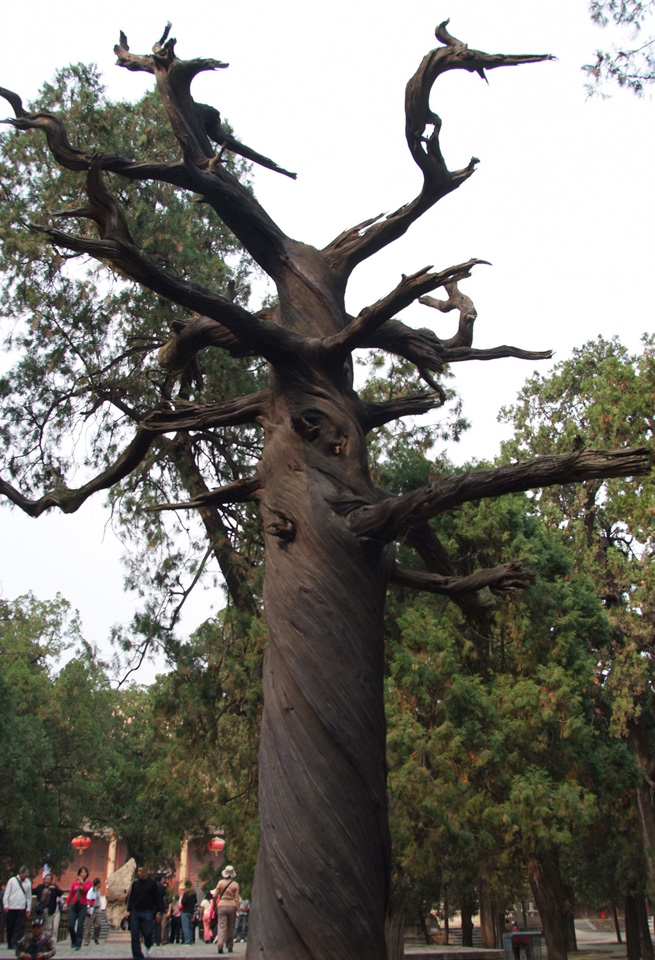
<point x="118" y="888"/>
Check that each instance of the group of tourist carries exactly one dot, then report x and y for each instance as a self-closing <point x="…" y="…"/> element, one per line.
<point x="84" y="904"/>
<point x="222" y="915"/>
<point x="16" y="907"/>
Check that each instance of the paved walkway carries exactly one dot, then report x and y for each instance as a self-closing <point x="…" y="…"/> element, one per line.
<point x="120" y="950"/>
<point x="592" y="945"/>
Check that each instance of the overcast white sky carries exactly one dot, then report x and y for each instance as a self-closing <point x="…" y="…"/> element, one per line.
<point x="562" y="203"/>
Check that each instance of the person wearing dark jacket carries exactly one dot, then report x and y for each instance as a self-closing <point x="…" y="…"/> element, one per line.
<point x="189" y="902"/>
<point x="144" y="909"/>
<point x="47" y="904"/>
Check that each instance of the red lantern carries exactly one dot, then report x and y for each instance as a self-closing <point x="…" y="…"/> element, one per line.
<point x="216" y="844"/>
<point x="81" y="843"/>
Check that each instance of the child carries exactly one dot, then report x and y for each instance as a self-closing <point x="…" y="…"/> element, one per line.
<point x="94" y="913"/>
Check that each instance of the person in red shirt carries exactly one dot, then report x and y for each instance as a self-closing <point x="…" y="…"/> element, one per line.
<point x="77" y="907"/>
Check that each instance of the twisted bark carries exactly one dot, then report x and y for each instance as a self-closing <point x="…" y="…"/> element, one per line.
<point x="322" y="753"/>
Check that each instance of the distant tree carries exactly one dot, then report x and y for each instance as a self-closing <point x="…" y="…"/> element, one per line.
<point x="603" y="396"/>
<point x="206" y="713"/>
<point x="630" y="64"/>
<point x="500" y="759"/>
<point x="48" y="711"/>
<point x="328" y="532"/>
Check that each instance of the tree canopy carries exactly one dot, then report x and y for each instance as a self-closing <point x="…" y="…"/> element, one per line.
<point x="631" y="62"/>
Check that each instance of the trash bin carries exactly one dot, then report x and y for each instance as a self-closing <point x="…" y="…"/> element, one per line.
<point x="522" y="945"/>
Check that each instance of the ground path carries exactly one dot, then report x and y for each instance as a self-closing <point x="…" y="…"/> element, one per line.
<point x="592" y="945"/>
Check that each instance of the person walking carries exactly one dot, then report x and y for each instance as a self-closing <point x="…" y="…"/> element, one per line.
<point x="47" y="895"/>
<point x="144" y="909"/>
<point x="241" y="925"/>
<point x="161" y="928"/>
<point x="205" y="919"/>
<point x="189" y="902"/>
<point x="176" y="920"/>
<point x="77" y="905"/>
<point x="226" y="896"/>
<point x="16" y="904"/>
<point x="37" y="946"/>
<point x="93" y="920"/>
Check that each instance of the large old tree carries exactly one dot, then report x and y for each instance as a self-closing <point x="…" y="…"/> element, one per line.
<point x="321" y="884"/>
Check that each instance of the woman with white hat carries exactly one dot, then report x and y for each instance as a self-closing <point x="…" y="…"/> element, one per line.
<point x="226" y="901"/>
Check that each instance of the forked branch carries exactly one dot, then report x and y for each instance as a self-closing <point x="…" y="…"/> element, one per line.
<point x="421" y="347"/>
<point x="254" y="335"/>
<point x="426" y="350"/>
<point x="422" y="128"/>
<point x="193" y="416"/>
<point x="377" y="414"/>
<point x="410" y="288"/>
<point x="67" y="500"/>
<point x="194" y="124"/>
<point x="475" y="604"/>
<point x="240" y="491"/>
<point x="201" y="172"/>
<point x="467" y="314"/>
<point x="388" y="519"/>
<point x="505" y="579"/>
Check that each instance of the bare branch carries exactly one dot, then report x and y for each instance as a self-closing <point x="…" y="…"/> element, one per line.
<point x="190" y="336"/>
<point x="408" y="290"/>
<point x="355" y="245"/>
<point x="377" y="414"/>
<point x="254" y="334"/>
<point x="194" y="124"/>
<point x="191" y="416"/>
<point x="459" y="347"/>
<point x="240" y="491"/>
<point x="458" y="354"/>
<point x="68" y="501"/>
<point x="421" y="347"/>
<point x="475" y="604"/>
<point x="504" y="579"/>
<point x="211" y="119"/>
<point x="173" y="79"/>
<point x="386" y="520"/>
<point x="467" y="314"/>
<point x="233" y="203"/>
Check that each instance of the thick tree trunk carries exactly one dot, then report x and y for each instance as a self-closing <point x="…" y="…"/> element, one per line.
<point x="552" y="903"/>
<point x="424" y="923"/>
<point x="487" y="926"/>
<point x="321" y="882"/>
<point x="617" y="927"/>
<point x="466" y="910"/>
<point x="570" y="919"/>
<point x="395" y="932"/>
<point x="645" y="942"/>
<point x="632" y="940"/>
<point x="499" y="914"/>
<point x="638" y="744"/>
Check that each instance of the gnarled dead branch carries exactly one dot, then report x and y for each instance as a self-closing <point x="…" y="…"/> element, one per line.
<point x="387" y="520"/>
